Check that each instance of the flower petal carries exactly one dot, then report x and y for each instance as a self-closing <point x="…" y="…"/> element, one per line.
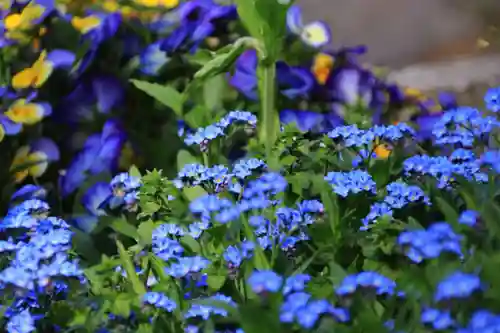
<point x="46" y="146"/>
<point x="94" y="196"/>
<point x="108" y="91"/>
<point x="316" y="34"/>
<point x="61" y="58"/>
<point x="294" y="20"/>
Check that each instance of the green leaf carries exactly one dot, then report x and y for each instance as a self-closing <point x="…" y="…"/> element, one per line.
<point x="129" y="268"/>
<point x="150" y="207"/>
<point x="80" y="317"/>
<point x="265" y="20"/>
<point x="191" y="243"/>
<point x="84" y="246"/>
<point x="222" y="62"/>
<point x="448" y="211"/>
<point x="337" y="273"/>
<point x="215" y="282"/>
<point x="122" y="306"/>
<point x="213" y="90"/>
<point x="166" y="95"/>
<point x="145" y="231"/>
<point x="255" y="319"/>
<point x="183" y="158"/>
<point x="122" y="226"/>
<point x="490" y="213"/>
<point x="197" y="116"/>
<point x="329" y="199"/>
<point x="192" y="193"/>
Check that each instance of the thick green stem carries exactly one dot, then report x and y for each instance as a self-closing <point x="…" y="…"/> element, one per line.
<point x="268" y="131"/>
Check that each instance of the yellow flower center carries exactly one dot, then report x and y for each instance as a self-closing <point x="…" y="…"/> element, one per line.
<point x="12" y="21"/>
<point x="322" y="66"/>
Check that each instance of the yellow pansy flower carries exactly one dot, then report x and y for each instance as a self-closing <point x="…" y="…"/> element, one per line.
<point x="36" y="75"/>
<point x="33" y="160"/>
<point x="85" y="24"/>
<point x="23" y="112"/>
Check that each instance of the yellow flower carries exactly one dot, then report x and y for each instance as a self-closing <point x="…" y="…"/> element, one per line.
<point x="322" y="66"/>
<point x="27" y="163"/>
<point x="414" y="94"/>
<point x="85" y="24"/>
<point x="158" y="3"/>
<point x="34" y="76"/>
<point x="111" y="6"/>
<point x="25" y="19"/>
<point x="383" y="151"/>
<point x="25" y="113"/>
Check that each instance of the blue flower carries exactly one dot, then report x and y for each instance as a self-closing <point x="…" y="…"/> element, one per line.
<point x="430" y="243"/>
<point x="187" y="265"/>
<point x="100" y="153"/>
<point x="315" y="34"/>
<point x="469" y="218"/>
<point x="457" y="285"/>
<point x="482" y="321"/>
<point x="197" y="21"/>
<point x="354" y="182"/>
<point x="492" y="99"/>
<point x="367" y="280"/>
<point x="437" y="319"/>
<point x="205" y="311"/>
<point x="152" y="59"/>
<point x="100" y="92"/>
<point x="29" y="191"/>
<point x="159" y="300"/>
<point x="463" y="126"/>
<point x="309" y="121"/>
<point x="21" y="323"/>
<point x="296" y="283"/>
<point x="265" y="281"/>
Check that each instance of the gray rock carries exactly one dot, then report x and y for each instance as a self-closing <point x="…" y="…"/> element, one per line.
<point x="403" y="32"/>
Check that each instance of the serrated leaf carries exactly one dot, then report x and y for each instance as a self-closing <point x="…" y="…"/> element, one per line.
<point x="134" y="171"/>
<point x="166" y="95"/>
<point x="122" y="306"/>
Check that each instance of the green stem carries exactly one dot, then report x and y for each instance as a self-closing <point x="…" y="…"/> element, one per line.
<point x="206" y="159"/>
<point x="269" y="131"/>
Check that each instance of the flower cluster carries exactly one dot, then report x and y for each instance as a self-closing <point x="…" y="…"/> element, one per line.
<point x="355" y="181"/>
<point x="461" y="163"/>
<point x="430" y="243"/>
<point x="399" y="195"/>
<point x="203" y="136"/>
<point x="40" y="262"/>
<point x="463" y="126"/>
